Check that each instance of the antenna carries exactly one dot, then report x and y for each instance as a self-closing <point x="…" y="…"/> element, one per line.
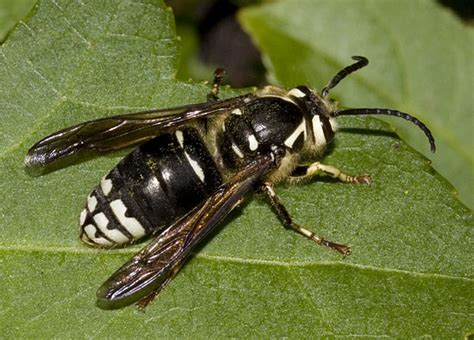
<point x="361" y="62"/>
<point x="388" y="112"/>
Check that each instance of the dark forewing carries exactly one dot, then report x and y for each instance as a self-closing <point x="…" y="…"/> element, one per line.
<point x="117" y="132"/>
<point x="155" y="265"/>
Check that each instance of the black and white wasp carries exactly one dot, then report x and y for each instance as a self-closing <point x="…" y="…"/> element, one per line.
<point x="195" y="164"/>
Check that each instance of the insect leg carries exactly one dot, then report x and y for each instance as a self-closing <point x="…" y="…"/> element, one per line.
<point x="306" y="172"/>
<point x="218" y="76"/>
<point x="288" y="223"/>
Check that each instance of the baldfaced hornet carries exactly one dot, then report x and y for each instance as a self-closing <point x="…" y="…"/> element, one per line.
<point x="193" y="166"/>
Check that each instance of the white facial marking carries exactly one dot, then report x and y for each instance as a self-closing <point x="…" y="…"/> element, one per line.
<point x="296" y="93"/>
<point x="294" y="136"/>
<point x="180" y="137"/>
<point x="131" y="224"/>
<point x="318" y="132"/>
<point x="113" y="234"/>
<point x="253" y="144"/>
<point x="237" y="150"/>
<point x="89" y="236"/>
<point x="106" y="185"/>
<point x="223" y="127"/>
<point x="91" y="203"/>
<point x="237" y="112"/>
<point x="82" y="217"/>
<point x="333" y="123"/>
<point x="195" y="165"/>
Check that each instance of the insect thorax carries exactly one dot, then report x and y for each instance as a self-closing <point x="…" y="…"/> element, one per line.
<point x="277" y="118"/>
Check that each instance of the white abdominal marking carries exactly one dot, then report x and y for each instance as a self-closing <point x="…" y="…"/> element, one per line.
<point x="179" y="137"/>
<point x="253" y="144"/>
<point x="89" y="235"/>
<point x="113" y="234"/>
<point x="82" y="217"/>
<point x="131" y="224"/>
<point x="195" y="165"/>
<point x="91" y="203"/>
<point x="106" y="185"/>
<point x="237" y="150"/>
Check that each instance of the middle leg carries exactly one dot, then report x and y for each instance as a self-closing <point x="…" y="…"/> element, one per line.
<point x="288" y="223"/>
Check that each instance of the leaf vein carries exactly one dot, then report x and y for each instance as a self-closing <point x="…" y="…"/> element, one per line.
<point x="74" y="29"/>
<point x="42" y="77"/>
<point x="230" y="259"/>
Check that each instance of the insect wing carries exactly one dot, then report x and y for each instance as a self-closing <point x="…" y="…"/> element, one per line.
<point x="117" y="132"/>
<point x="154" y="266"/>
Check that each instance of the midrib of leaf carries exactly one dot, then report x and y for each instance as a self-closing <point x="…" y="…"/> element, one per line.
<point x="305" y="264"/>
<point x="58" y="250"/>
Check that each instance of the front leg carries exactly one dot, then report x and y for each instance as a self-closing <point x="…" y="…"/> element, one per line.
<point x="213" y="96"/>
<point x="304" y="173"/>
<point x="287" y="221"/>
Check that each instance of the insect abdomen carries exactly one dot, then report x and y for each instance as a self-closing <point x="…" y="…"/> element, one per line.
<point x="149" y="189"/>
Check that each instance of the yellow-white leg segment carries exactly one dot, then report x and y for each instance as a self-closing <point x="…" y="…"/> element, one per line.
<point x="309" y="171"/>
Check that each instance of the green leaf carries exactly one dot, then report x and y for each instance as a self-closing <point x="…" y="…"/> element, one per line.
<point x="421" y="61"/>
<point x="411" y="269"/>
<point x="11" y="11"/>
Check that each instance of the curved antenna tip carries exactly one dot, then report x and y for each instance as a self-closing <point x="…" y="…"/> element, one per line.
<point x="395" y="113"/>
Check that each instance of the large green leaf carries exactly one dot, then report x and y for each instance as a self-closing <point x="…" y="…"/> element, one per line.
<point x="411" y="269"/>
<point x="10" y="12"/>
<point x="422" y="62"/>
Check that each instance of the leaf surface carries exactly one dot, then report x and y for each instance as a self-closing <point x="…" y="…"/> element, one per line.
<point x="411" y="269"/>
<point x="11" y="11"/>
